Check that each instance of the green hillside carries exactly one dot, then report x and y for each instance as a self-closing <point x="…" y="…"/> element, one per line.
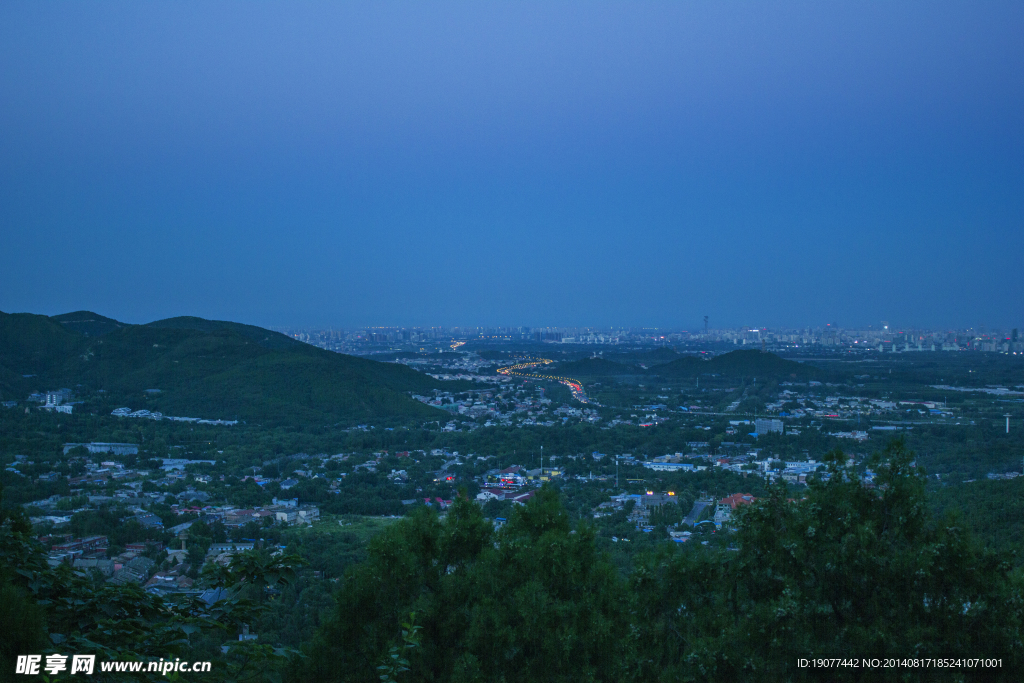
<point x="265" y="338"/>
<point x="648" y="358"/>
<point x="203" y="368"/>
<point x="595" y="367"/>
<point x="746" y="363"/>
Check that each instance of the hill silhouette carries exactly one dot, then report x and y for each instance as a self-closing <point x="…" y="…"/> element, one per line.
<point x="88" y="323"/>
<point x="265" y="338"/>
<point x="204" y="368"/>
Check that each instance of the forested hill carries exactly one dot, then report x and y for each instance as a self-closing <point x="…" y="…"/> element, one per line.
<point x="596" y="367"/>
<point x="203" y="368"/>
<point x="745" y="363"/>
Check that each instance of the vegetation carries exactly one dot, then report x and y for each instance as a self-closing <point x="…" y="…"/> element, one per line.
<point x="202" y="368"/>
<point x="907" y="565"/>
<point x="845" y="569"/>
<point x="47" y="609"/>
<point x="993" y="510"/>
<point x="667" y="364"/>
<point x="849" y="571"/>
<point x="751" y="363"/>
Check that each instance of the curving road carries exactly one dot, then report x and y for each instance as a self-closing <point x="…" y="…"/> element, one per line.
<point x="518" y="370"/>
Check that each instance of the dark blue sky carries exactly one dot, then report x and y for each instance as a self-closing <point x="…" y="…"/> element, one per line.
<point x="517" y="163"/>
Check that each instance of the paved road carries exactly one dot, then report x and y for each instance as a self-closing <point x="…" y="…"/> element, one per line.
<point x="696" y="511"/>
<point x="574" y="385"/>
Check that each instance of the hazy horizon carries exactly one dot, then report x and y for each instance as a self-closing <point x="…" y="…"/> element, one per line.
<point x="623" y="164"/>
<point x="692" y="329"/>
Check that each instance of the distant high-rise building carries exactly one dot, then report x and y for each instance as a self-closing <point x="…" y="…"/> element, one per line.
<point x="55" y="398"/>
<point x="765" y="426"/>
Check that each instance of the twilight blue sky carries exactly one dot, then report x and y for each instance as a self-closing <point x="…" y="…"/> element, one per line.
<point x="477" y="163"/>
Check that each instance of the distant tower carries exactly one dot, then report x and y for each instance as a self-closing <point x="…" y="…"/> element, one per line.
<point x="705" y="326"/>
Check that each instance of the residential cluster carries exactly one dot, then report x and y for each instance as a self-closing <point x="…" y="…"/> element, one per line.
<point x="155" y="415"/>
<point x="511" y="405"/>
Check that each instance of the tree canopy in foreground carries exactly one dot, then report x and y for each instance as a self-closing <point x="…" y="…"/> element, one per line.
<point x="849" y="570"/>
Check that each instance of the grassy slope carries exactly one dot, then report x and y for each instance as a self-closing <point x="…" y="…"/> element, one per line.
<point x="208" y="369"/>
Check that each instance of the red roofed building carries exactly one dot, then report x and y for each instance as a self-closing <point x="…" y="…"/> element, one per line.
<point x="726" y="506"/>
<point x="91" y="543"/>
<point x="521" y="497"/>
<point x="737" y="499"/>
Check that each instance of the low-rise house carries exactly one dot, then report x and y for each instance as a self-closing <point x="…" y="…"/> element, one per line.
<point x="519" y="497"/>
<point x="136" y="571"/>
<point x="306" y="514"/>
<point x="543" y="474"/>
<point x="673" y="467"/>
<point x="239" y="518"/>
<point x="87" y="544"/>
<point x="221" y="553"/>
<point x="510" y="477"/>
<point x="139" y="548"/>
<point x="170" y="579"/>
<point x="149" y="521"/>
<point x="104" y="566"/>
<point x="199" y="496"/>
<point x="491" y="494"/>
<point x="98" y="447"/>
<point x="727" y="506"/>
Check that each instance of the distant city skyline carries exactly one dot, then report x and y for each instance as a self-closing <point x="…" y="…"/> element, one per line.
<point x="694" y="328"/>
<point x="829" y="339"/>
<point x="881" y="327"/>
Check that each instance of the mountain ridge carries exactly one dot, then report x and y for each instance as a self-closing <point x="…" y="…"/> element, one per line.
<point x="211" y="369"/>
